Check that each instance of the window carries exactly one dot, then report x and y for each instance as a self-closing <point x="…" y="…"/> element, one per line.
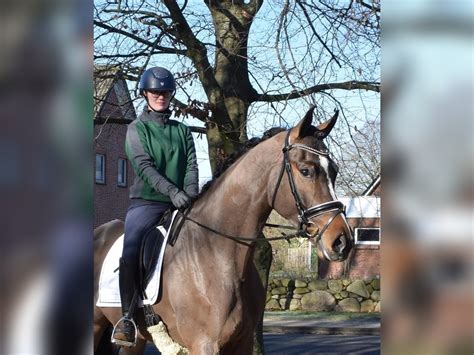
<point x="122" y="172"/>
<point x="367" y="236"/>
<point x="100" y="168"/>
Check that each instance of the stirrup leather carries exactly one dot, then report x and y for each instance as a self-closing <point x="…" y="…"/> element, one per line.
<point x="124" y="343"/>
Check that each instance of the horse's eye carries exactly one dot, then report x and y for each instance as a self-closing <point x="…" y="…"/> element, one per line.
<point x="305" y="172"/>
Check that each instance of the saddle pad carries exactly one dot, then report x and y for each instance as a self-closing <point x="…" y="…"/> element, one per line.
<point x="109" y="290"/>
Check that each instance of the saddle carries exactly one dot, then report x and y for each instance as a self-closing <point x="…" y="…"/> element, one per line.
<point x="149" y="255"/>
<point x="152" y="244"/>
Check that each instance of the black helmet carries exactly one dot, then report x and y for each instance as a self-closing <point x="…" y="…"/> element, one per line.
<point x="157" y="78"/>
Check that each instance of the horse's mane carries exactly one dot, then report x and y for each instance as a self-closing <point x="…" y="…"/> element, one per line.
<point x="244" y="148"/>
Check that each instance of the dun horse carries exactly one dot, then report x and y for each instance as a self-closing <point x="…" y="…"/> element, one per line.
<point x="212" y="297"/>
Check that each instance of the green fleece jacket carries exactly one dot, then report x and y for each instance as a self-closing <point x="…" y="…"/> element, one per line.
<point x="163" y="156"/>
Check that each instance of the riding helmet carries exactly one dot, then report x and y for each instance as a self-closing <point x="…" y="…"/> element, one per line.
<point x="157" y="78"/>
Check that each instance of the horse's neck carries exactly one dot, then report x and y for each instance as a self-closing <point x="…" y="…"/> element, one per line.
<point x="238" y="204"/>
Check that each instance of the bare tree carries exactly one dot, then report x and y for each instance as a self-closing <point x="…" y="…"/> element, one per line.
<point x="361" y="159"/>
<point x="244" y="61"/>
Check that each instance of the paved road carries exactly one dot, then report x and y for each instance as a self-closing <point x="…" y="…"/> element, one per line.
<point x="322" y="324"/>
<point x="321" y="344"/>
<point x="289" y="344"/>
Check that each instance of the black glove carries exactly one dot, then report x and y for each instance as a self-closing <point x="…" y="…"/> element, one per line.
<point x="180" y="200"/>
<point x="191" y="190"/>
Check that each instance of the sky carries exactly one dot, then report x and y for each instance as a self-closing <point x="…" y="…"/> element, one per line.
<point x="358" y="106"/>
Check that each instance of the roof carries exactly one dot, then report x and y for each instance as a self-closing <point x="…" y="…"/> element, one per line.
<point x="362" y="206"/>
<point x="106" y="79"/>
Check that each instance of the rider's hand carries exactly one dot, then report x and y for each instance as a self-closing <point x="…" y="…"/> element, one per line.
<point x="191" y="190"/>
<point x="180" y="200"/>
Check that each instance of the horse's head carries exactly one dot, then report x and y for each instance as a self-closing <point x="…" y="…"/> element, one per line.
<point x="304" y="192"/>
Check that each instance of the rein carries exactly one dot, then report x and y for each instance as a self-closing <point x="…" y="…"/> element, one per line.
<point x="246" y="240"/>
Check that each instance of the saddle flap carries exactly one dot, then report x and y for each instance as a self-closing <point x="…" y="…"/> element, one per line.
<point x="149" y="252"/>
<point x="153" y="242"/>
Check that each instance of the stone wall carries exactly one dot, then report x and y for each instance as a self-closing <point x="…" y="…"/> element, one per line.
<point x="324" y="295"/>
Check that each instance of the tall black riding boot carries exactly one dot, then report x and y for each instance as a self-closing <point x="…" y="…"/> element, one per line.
<point x="125" y="331"/>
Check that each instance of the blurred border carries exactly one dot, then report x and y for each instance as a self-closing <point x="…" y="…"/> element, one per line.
<point x="46" y="177"/>
<point x="427" y="177"/>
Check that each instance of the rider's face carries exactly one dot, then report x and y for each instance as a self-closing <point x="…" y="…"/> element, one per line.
<point x="158" y="100"/>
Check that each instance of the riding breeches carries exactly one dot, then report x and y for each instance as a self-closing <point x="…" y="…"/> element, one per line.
<point x="142" y="216"/>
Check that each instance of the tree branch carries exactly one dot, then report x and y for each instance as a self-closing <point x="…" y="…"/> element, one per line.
<point x="122" y="121"/>
<point x="109" y="120"/>
<point x="157" y="20"/>
<point x="316" y="33"/>
<point x="138" y="39"/>
<point x="131" y="55"/>
<point x="192" y="110"/>
<point x="253" y="6"/>
<point x="197" y="129"/>
<point x="348" y="85"/>
<point x="372" y="7"/>
<point x="197" y="52"/>
<point x="195" y="49"/>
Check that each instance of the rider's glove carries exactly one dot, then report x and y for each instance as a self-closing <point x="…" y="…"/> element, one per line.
<point x="179" y="199"/>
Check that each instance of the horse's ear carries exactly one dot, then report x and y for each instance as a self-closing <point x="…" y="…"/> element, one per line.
<point x="323" y="130"/>
<point x="303" y="128"/>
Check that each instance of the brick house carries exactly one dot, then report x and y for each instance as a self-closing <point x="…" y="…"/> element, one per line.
<point x="113" y="110"/>
<point x="363" y="215"/>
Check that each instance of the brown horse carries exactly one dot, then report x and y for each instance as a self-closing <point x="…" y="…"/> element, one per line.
<point x="212" y="297"/>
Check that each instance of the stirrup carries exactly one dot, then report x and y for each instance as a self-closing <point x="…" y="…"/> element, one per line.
<point x="124" y="343"/>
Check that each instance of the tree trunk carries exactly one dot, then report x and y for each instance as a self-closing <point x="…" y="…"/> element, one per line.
<point x="262" y="260"/>
<point x="224" y="139"/>
<point x="219" y="145"/>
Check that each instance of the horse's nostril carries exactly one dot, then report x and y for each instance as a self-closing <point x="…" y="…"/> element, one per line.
<point x="339" y="244"/>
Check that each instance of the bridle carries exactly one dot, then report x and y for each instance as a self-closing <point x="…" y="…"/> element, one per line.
<point x="306" y="214"/>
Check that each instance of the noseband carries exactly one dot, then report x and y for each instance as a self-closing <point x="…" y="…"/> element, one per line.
<point x="306" y="214"/>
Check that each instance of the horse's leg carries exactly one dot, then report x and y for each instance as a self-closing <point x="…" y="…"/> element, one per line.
<point x="105" y="347"/>
<point x="253" y="303"/>
<point x="244" y="346"/>
<point x="204" y="346"/>
<point x="100" y="324"/>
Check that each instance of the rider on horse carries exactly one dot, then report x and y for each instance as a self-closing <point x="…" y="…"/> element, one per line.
<point x="163" y="156"/>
